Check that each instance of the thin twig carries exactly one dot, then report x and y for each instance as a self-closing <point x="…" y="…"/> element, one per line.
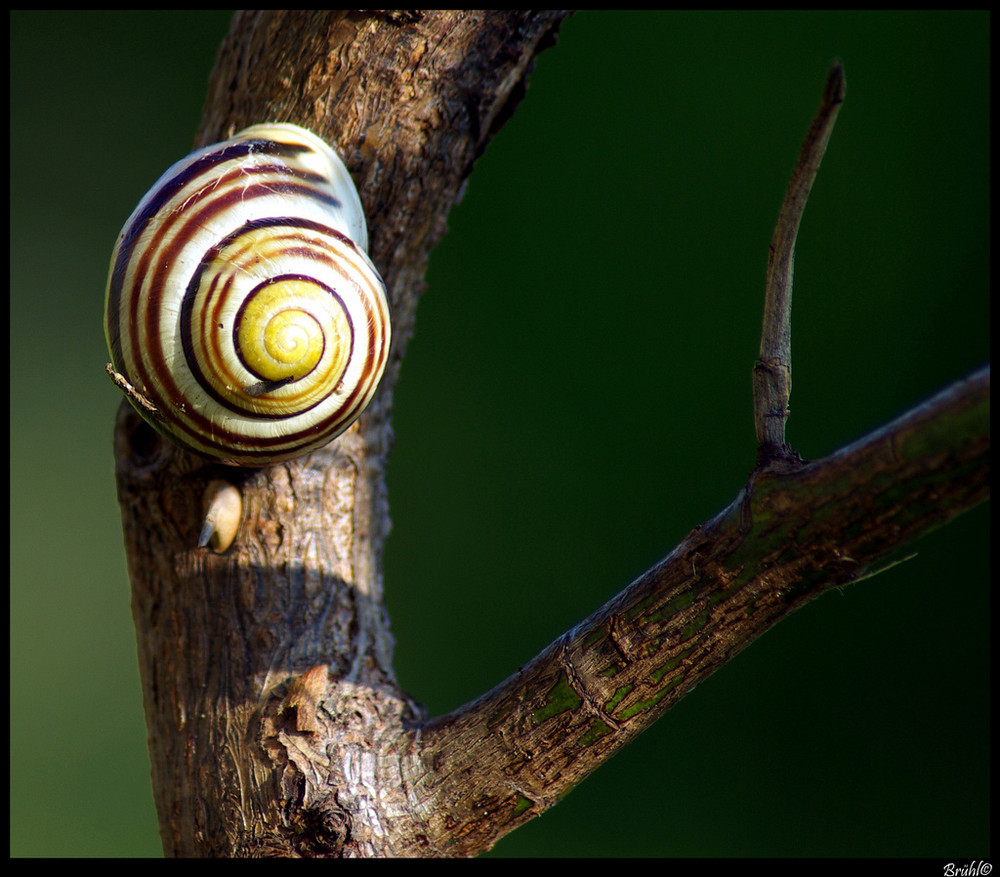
<point x="772" y="383"/>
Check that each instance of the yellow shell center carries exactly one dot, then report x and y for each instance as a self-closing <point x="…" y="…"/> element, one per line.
<point x="288" y="327"/>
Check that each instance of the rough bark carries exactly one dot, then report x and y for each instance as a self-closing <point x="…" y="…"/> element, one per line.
<point x="276" y="726"/>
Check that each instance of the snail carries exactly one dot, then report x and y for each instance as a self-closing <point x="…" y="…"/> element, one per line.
<point x="223" y="504"/>
<point x="243" y="316"/>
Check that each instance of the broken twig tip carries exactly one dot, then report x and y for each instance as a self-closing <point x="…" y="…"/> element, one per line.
<point x="836" y="83"/>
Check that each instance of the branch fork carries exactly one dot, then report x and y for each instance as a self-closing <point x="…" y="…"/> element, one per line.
<point x="276" y="725"/>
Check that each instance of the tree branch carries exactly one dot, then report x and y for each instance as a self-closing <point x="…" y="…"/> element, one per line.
<point x="410" y="101"/>
<point x="276" y="726"/>
<point x="793" y="533"/>
<point x="772" y="376"/>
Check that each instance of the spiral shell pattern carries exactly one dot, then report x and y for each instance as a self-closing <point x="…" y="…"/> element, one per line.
<point x="241" y="302"/>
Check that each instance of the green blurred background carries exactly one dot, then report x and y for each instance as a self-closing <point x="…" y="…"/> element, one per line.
<point x="576" y="398"/>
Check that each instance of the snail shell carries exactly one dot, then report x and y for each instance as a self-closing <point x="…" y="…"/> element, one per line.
<point x="223" y="511"/>
<point x="243" y="316"/>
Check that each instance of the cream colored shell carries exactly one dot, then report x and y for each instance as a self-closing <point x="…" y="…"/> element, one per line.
<point x="241" y="304"/>
<point x="223" y="505"/>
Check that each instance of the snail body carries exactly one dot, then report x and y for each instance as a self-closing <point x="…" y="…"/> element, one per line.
<point x="243" y="316"/>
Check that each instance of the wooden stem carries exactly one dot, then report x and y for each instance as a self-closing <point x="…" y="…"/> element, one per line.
<point x="772" y="376"/>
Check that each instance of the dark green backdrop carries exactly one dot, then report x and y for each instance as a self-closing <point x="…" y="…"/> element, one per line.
<point x="576" y="398"/>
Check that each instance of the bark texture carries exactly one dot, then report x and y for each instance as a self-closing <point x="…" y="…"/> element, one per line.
<point x="276" y="726"/>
